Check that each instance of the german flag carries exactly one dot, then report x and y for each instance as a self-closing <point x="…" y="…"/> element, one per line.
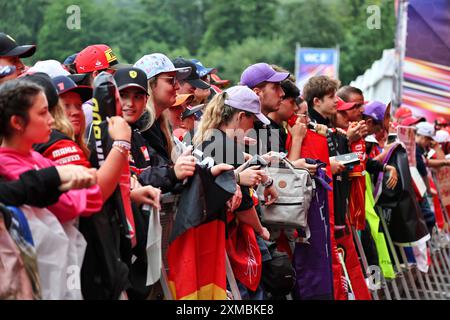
<point x="196" y="253"/>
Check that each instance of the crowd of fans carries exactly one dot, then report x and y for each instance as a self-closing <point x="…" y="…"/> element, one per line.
<point x="172" y="117"/>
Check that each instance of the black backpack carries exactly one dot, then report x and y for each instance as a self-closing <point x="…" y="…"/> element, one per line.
<point x="278" y="274"/>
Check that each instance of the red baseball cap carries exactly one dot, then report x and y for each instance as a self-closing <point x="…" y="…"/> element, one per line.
<point x="342" y="105"/>
<point x="403" y="112"/>
<point x="410" y="121"/>
<point x="216" y="80"/>
<point x="95" y="57"/>
<point x="441" y="121"/>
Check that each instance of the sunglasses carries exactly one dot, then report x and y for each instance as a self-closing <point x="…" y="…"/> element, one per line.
<point x="172" y="80"/>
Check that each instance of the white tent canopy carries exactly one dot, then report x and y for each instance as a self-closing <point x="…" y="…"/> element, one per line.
<point x="377" y="81"/>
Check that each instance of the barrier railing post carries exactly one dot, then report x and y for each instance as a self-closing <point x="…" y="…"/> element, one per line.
<point x="232" y="280"/>
<point x="409" y="272"/>
<point x="365" y="264"/>
<point x="169" y="203"/>
<point x="400" y="274"/>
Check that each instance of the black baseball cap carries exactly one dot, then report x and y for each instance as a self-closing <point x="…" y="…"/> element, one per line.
<point x="79" y="78"/>
<point x="193" y="77"/>
<point x="131" y="77"/>
<point x="65" y="84"/>
<point x="290" y="89"/>
<point x="10" y="48"/>
<point x="44" y="81"/>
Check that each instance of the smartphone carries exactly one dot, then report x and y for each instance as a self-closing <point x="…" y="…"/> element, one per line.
<point x="292" y="120"/>
<point x="257" y="160"/>
<point x="392" y="137"/>
<point x="348" y="159"/>
<point x="431" y="153"/>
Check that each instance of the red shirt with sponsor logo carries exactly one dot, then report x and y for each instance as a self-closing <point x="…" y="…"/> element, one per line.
<point x="66" y="152"/>
<point x="62" y="150"/>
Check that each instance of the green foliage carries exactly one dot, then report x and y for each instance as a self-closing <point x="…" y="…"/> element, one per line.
<point x="362" y="46"/>
<point x="231" y="21"/>
<point x="56" y="41"/>
<point x="237" y="57"/>
<point x="312" y="24"/>
<point x="227" y="34"/>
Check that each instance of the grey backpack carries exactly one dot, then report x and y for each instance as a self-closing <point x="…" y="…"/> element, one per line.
<point x="295" y="188"/>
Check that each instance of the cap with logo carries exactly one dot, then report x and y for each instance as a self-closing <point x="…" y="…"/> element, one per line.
<point x="243" y="98"/>
<point x="425" y="129"/>
<point x="131" y="77"/>
<point x="261" y="72"/>
<point x="376" y="110"/>
<point x="201" y="69"/>
<point x="64" y="84"/>
<point x="10" y="48"/>
<point x="95" y="57"/>
<point x="156" y="63"/>
<point x="193" y="77"/>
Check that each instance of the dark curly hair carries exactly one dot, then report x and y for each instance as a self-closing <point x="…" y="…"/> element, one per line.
<point x="16" y="98"/>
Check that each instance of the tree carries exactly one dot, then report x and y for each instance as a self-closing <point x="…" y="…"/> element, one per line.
<point x="362" y="45"/>
<point x="312" y="24"/>
<point x="15" y="13"/>
<point x="57" y="41"/>
<point x="234" y="21"/>
<point x="232" y="61"/>
<point x="218" y="32"/>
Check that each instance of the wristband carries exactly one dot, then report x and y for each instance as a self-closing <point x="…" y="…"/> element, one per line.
<point x="122" y="144"/>
<point x="268" y="183"/>
<point x="121" y="150"/>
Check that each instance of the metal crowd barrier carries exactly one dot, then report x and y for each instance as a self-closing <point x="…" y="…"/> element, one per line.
<point x="410" y="283"/>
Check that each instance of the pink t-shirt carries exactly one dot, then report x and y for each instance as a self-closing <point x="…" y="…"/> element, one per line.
<point x="71" y="204"/>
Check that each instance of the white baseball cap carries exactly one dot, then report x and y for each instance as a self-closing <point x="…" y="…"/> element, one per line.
<point x="442" y="136"/>
<point x="156" y="63"/>
<point x="425" y="129"/>
<point x="51" y="67"/>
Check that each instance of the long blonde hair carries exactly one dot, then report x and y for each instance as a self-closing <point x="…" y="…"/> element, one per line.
<point x="163" y="120"/>
<point x="80" y="139"/>
<point x="216" y="114"/>
<point x="63" y="124"/>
